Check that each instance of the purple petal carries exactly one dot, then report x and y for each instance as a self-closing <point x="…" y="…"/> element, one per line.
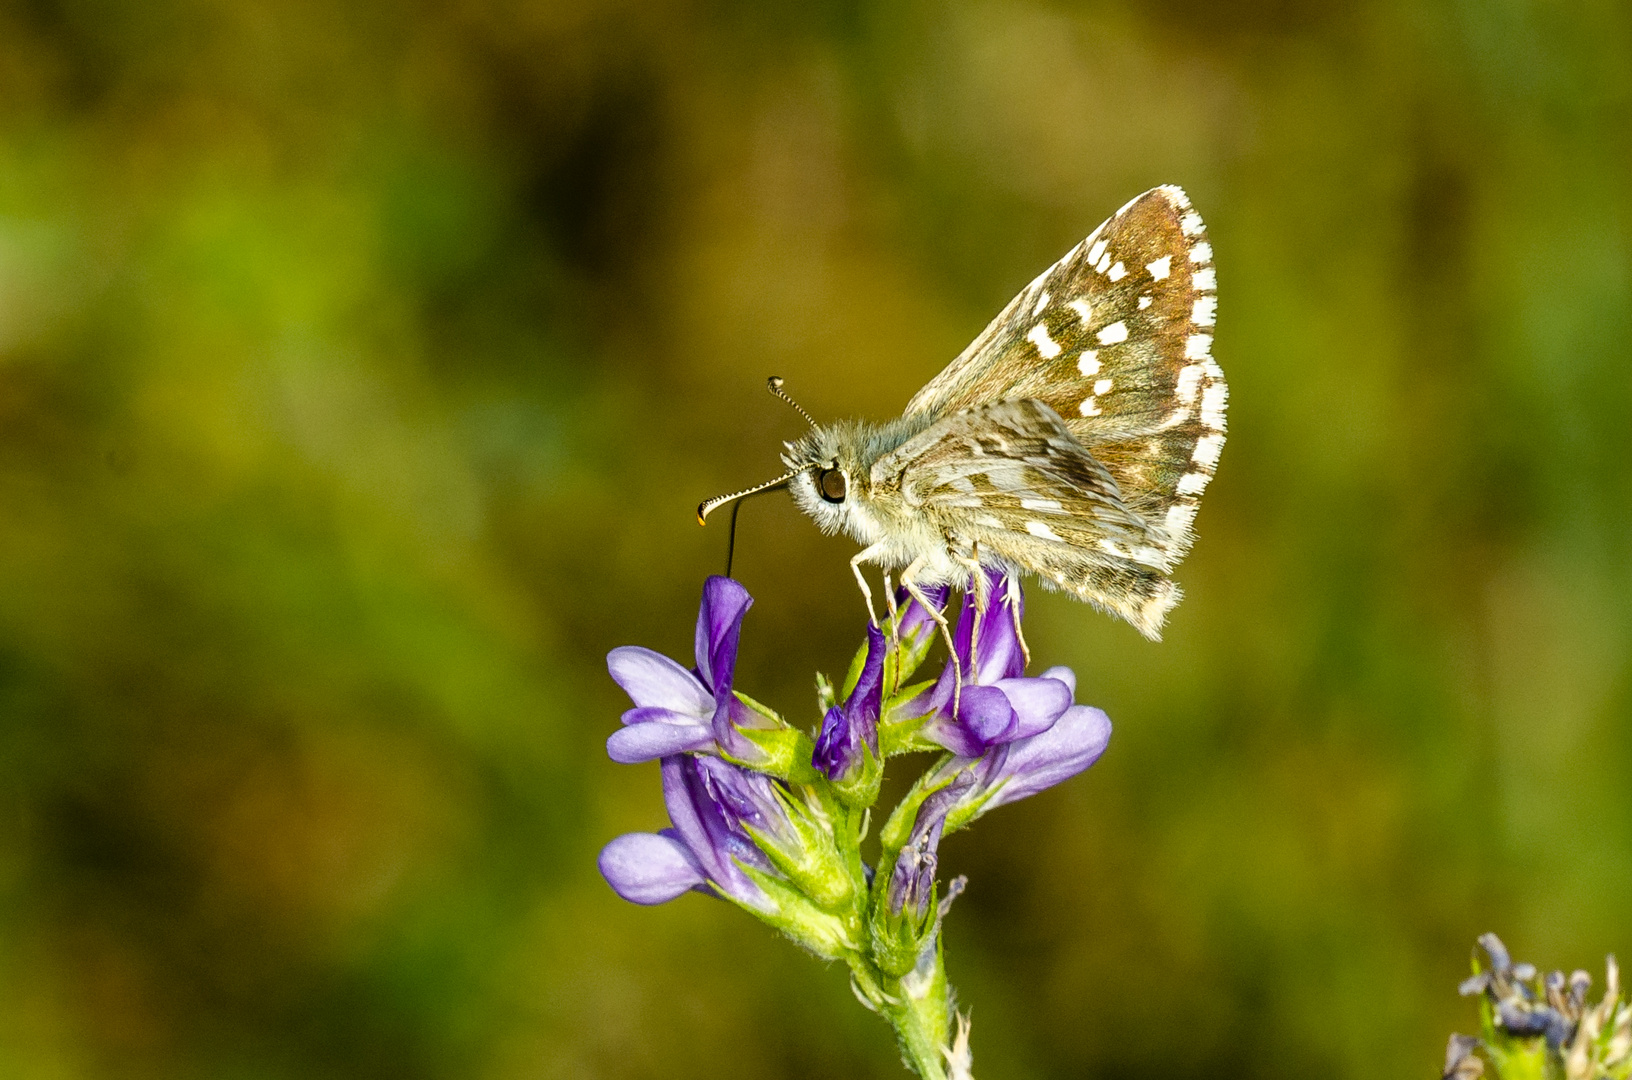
<point x="1037" y="703"/>
<point x="705" y="831"/>
<point x="1065" y="675"/>
<point x="652" y="679"/>
<point x="645" y="868"/>
<point x="997" y="654"/>
<point x="653" y="714"/>
<point x="915" y="618"/>
<point x="650" y="741"/>
<point x="985" y="711"/>
<point x="984" y="717"/>
<point x="836" y="748"/>
<point x="1075" y="742"/>
<point x="719" y="622"/>
<point x="866" y="700"/>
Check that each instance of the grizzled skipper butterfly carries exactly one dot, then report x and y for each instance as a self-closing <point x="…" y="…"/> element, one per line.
<point x="1071" y="440"/>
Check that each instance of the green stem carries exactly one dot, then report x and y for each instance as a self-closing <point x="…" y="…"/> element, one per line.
<point x="918" y="1006"/>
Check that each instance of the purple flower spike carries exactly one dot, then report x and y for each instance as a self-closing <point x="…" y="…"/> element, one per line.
<point x="851" y="728"/>
<point x="678" y="710"/>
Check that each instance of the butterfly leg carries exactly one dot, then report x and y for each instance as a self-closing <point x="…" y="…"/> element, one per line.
<point x="1014" y="613"/>
<point x="861" y="579"/>
<point x="895" y="626"/>
<point x="909" y="582"/>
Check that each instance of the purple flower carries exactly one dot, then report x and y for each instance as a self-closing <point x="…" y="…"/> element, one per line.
<point x="912" y="881"/>
<point x="710" y="802"/>
<point x="676" y="709"/>
<point x="904" y="922"/>
<point x="1012" y="771"/>
<point x="995" y="704"/>
<point x="915" y="629"/>
<point x="850" y="731"/>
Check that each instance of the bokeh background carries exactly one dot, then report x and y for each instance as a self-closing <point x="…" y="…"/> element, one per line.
<point x="361" y="365"/>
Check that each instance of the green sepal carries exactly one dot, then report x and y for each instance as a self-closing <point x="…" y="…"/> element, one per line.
<point x="829" y="936"/>
<point x="825" y="698"/>
<point x="966" y="811"/>
<point x="898" y="827"/>
<point x="813" y="861"/>
<point x="853" y="676"/>
<point x="898" y="939"/>
<point x="785" y="750"/>
<point x="861" y="790"/>
<point x="903" y="658"/>
<point x="898" y="729"/>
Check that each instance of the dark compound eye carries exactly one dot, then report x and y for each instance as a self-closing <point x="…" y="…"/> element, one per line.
<point x="830" y="482"/>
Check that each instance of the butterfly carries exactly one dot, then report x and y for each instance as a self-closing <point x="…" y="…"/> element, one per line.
<point x="1071" y="440"/>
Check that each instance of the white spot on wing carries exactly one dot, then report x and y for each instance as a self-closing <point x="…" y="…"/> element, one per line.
<point x="1208" y="447"/>
<point x="1089" y="364"/>
<point x="1117" y="272"/>
<point x="1089" y="406"/>
<point x="1196" y="346"/>
<point x="1179" y="517"/>
<point x="1191" y="223"/>
<point x="1042" y="302"/>
<point x="991" y="522"/>
<point x="1037" y="528"/>
<point x="1204" y="311"/>
<point x="1052" y="506"/>
<point x="1045" y="344"/>
<point x="1176" y="417"/>
<point x="1117" y="331"/>
<point x="1189" y="383"/>
<point x="1103" y="386"/>
<point x="1161" y="267"/>
<point x="1144" y="302"/>
<point x="1212" y="406"/>
<point x="1202" y="252"/>
<point x="1084" y="310"/>
<point x="1104" y="262"/>
<point x="1205" y="280"/>
<point x="1192" y="483"/>
<point x="1097" y="250"/>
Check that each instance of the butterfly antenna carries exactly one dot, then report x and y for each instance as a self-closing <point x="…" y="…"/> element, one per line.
<point x="774" y="385"/>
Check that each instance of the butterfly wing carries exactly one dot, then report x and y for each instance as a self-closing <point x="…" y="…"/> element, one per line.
<point x="1116" y="338"/>
<point x="1007" y="480"/>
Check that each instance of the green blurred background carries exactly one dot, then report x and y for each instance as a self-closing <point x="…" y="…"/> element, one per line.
<point x="361" y="365"/>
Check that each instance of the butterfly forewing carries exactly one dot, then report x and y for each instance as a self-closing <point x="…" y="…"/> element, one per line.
<point x="1116" y="338"/>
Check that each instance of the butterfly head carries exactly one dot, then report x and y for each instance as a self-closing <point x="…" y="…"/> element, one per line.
<point x="827" y="477"/>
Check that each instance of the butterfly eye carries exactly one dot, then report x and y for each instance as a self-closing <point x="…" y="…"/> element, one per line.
<point x="830" y="482"/>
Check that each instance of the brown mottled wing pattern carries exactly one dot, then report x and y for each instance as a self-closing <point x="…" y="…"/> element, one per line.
<point x="1116" y="338"/>
<point x="1007" y="480"/>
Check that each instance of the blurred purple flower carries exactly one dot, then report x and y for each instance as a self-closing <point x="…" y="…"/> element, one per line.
<point x="676" y="709"/>
<point x="710" y="802"/>
<point x="852" y="728"/>
<point x="995" y="704"/>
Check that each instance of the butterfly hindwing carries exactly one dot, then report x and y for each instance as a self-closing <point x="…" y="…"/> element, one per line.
<point x="1116" y="338"/>
<point x="1008" y="480"/>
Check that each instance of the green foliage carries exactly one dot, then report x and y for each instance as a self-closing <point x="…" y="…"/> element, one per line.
<point x="361" y="364"/>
